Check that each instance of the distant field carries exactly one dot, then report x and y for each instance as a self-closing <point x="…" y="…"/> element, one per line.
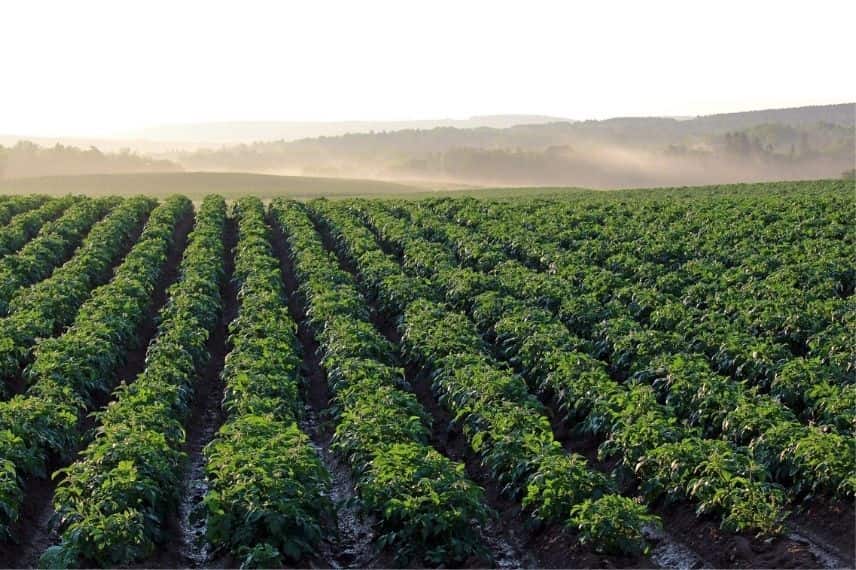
<point x="232" y="185"/>
<point x="195" y="185"/>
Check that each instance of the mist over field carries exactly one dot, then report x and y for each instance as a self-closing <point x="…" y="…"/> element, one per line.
<point x="784" y="144"/>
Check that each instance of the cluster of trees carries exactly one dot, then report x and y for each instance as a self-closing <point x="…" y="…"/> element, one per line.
<point x="732" y="157"/>
<point x="788" y="142"/>
<point x="27" y="159"/>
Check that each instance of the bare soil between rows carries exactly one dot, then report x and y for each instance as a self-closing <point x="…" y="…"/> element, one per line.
<point x="185" y="527"/>
<point x="352" y="543"/>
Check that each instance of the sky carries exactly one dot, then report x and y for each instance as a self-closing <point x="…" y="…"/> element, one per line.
<point x="92" y="68"/>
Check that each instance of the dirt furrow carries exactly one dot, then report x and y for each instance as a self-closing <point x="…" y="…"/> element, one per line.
<point x="186" y="546"/>
<point x="827" y="526"/>
<point x="353" y="544"/>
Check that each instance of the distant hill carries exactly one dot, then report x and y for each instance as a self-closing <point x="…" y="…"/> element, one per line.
<point x="251" y="131"/>
<point x="106" y="144"/>
<point x="842" y="114"/>
<point x="777" y="144"/>
<point x="25" y="159"/>
<point x="665" y="129"/>
<point x="498" y="150"/>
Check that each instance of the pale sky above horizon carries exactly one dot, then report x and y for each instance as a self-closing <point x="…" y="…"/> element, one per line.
<point x="98" y="68"/>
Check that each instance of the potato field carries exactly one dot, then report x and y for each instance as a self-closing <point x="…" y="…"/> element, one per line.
<point x="649" y="378"/>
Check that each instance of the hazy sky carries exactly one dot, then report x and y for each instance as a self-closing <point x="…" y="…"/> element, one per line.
<point x="95" y="68"/>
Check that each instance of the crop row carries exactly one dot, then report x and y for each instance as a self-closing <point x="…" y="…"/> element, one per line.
<point x="425" y="506"/>
<point x="805" y="458"/>
<point x="45" y="308"/>
<point x="268" y="489"/>
<point x="14" y="205"/>
<point x="24" y="226"/>
<point x="669" y="459"/>
<point x="506" y="426"/>
<point x="54" y="243"/>
<point x="112" y="504"/>
<point x="70" y="370"/>
<point x="629" y="320"/>
<point x="787" y="296"/>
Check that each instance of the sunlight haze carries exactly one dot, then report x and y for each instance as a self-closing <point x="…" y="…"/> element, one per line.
<point x="102" y="68"/>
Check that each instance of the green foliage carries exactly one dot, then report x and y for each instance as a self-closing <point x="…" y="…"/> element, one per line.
<point x="46" y="307"/>
<point x="428" y="505"/>
<point x="502" y="422"/>
<point x="26" y="225"/>
<point x="14" y="205"/>
<point x="716" y="479"/>
<point x="704" y="340"/>
<point x="427" y="511"/>
<point x="561" y="482"/>
<point x="712" y="325"/>
<point x="541" y="254"/>
<point x="54" y="243"/>
<point x="268" y="490"/>
<point x="612" y="524"/>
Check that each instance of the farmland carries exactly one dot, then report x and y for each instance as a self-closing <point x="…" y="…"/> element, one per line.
<point x="649" y="378"/>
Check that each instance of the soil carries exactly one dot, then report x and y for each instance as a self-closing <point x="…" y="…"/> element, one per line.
<point x="37" y="513"/>
<point x="33" y="526"/>
<point x="351" y="544"/>
<point x="728" y="550"/>
<point x="829" y="525"/>
<point x="185" y="528"/>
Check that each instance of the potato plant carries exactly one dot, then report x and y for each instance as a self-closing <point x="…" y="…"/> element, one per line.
<point x="46" y="307"/>
<point x="55" y="242"/>
<point x="696" y="343"/>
